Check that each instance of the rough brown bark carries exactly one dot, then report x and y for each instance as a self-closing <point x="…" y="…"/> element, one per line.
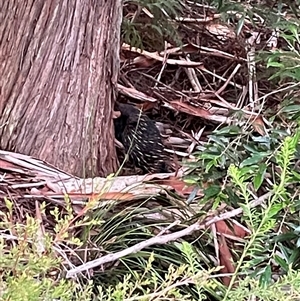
<point x="59" y="62"/>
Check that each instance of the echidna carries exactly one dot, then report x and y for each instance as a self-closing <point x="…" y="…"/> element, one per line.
<point x="141" y="139"/>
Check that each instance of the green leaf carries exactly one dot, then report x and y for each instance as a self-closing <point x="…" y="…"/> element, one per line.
<point x="296" y="175"/>
<point x="221" y="141"/>
<point x="294" y="256"/>
<point x="281" y="262"/>
<point x="232" y="129"/>
<point x="295" y="31"/>
<point x="275" y="209"/>
<point x="212" y="191"/>
<point x="240" y="25"/>
<point x="275" y="64"/>
<point x="297" y="230"/>
<point x="210" y="165"/>
<point x="208" y="156"/>
<point x="291" y="108"/>
<point x="254" y="159"/>
<point x="266" y="277"/>
<point x="246" y="209"/>
<point x="259" y="177"/>
<point x="247" y="170"/>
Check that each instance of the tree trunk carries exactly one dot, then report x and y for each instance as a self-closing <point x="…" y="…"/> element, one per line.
<point x="59" y="63"/>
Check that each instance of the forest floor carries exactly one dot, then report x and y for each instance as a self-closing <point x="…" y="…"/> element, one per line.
<point x="222" y="88"/>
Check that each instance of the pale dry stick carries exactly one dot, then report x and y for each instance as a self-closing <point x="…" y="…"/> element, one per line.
<point x="203" y="50"/>
<point x="163" y="67"/>
<point x="28" y="185"/>
<point x="174" y="50"/>
<point x="191" y="73"/>
<point x="63" y="254"/>
<point x="175" y="223"/>
<point x="202" y="68"/>
<point x="208" y="82"/>
<point x="206" y="6"/>
<point x="166" y="86"/>
<point x="163" y="239"/>
<point x="33" y="165"/>
<point x="177" y="141"/>
<point x="216" y="243"/>
<point x="134" y="249"/>
<point x="41" y="241"/>
<point x="195" y="141"/>
<point x="251" y="113"/>
<point x="242" y="97"/>
<point x="181" y="50"/>
<point x="148" y="13"/>
<point x="252" y="77"/>
<point x="218" y="111"/>
<point x="219" y="53"/>
<point x="240" y="16"/>
<point x="179" y="153"/>
<point x="221" y="89"/>
<point x="222" y="103"/>
<point x="263" y="99"/>
<point x="273" y="40"/>
<point x="157" y="57"/>
<point x="279" y="90"/>
<point x="12" y="237"/>
<point x="136" y="14"/>
<point x="194" y="20"/>
<point x="232" y="237"/>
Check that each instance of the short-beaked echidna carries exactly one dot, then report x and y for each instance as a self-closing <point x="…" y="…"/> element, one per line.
<point x="141" y="139"/>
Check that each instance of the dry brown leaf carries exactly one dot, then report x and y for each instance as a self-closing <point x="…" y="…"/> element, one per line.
<point x="135" y="93"/>
<point x="234" y="230"/>
<point x="180" y="186"/>
<point x="221" y="31"/>
<point x="226" y="259"/>
<point x="259" y="125"/>
<point x="191" y="110"/>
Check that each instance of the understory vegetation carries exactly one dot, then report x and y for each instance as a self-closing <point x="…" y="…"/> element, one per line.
<point x="225" y="76"/>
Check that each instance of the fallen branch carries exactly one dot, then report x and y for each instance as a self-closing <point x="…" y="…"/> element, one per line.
<point x="162" y="239"/>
